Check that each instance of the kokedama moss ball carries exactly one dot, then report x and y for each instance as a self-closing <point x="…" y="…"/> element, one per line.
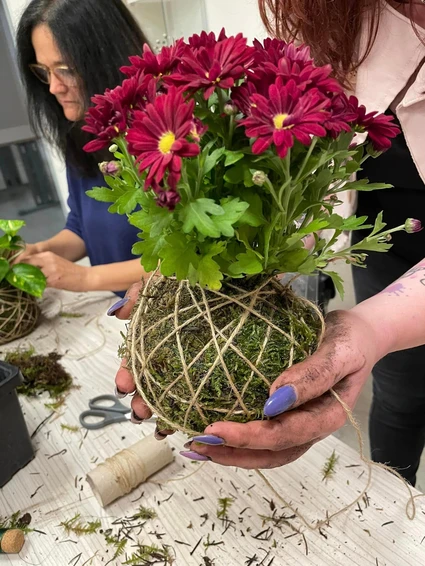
<point x="19" y="313"/>
<point x="200" y="356"/>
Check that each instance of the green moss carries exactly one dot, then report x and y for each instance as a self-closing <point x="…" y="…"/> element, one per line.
<point x="41" y="373"/>
<point x="217" y="398"/>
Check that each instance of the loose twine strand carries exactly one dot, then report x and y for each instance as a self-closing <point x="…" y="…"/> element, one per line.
<point x="203" y="309"/>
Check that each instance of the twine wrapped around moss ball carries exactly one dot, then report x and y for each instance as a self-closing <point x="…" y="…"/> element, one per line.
<point x="199" y="356"/>
<point x="19" y="313"/>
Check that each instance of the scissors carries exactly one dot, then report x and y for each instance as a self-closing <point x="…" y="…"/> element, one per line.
<point x="107" y="409"/>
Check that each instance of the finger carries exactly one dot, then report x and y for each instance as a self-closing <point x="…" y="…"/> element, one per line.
<point x="38" y="260"/>
<point x="124" y="380"/>
<point x="336" y="358"/>
<point x="315" y="419"/>
<point x="250" y="459"/>
<point x="126" y="305"/>
<point x="139" y="408"/>
<point x="162" y="433"/>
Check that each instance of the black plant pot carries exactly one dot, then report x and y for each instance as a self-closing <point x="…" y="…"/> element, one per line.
<point x="15" y="444"/>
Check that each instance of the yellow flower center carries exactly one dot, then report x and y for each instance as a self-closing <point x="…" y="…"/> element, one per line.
<point x="278" y="121"/>
<point x="166" y="142"/>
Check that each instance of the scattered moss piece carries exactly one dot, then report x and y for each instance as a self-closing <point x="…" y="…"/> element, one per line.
<point x="64" y="314"/>
<point x="148" y="555"/>
<point x="329" y="467"/>
<point x="70" y="427"/>
<point x="224" y="504"/>
<point x="144" y="514"/>
<point x="56" y="405"/>
<point x="41" y="373"/>
<point x="117" y="543"/>
<point x="74" y="525"/>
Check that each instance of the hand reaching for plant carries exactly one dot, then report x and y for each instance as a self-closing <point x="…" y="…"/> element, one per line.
<point x="60" y="273"/>
<point x="301" y="408"/>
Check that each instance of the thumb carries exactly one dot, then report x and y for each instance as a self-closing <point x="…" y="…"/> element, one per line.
<point x="336" y="358"/>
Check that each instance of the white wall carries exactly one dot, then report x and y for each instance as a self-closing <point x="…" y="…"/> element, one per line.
<point x="236" y="16"/>
<point x="14" y="9"/>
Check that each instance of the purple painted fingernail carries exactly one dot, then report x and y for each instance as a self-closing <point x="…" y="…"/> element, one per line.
<point x="119" y="394"/>
<point x="135" y="419"/>
<point x="195" y="456"/>
<point x="280" y="401"/>
<point x="117" y="306"/>
<point x="208" y="439"/>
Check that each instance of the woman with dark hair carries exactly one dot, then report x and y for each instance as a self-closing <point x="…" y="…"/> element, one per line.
<point x="68" y="51"/>
<point x="377" y="50"/>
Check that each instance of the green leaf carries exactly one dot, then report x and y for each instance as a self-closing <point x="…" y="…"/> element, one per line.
<point x="197" y="214"/>
<point x="178" y="254"/>
<point x="4" y="268"/>
<point x="292" y="260"/>
<point x="248" y="263"/>
<point x="155" y="220"/>
<point x="126" y="203"/>
<point x="212" y="159"/>
<point x="337" y="281"/>
<point x="362" y="185"/>
<point x="233" y="211"/>
<point x="11" y="227"/>
<point x="5" y="241"/>
<point x="149" y="250"/>
<point x="355" y="223"/>
<point x="101" y="194"/>
<point x="235" y="175"/>
<point x="232" y="157"/>
<point x="253" y="216"/>
<point x="209" y="273"/>
<point x="28" y="278"/>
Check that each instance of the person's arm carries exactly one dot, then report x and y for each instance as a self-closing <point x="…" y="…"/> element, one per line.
<point x="115" y="276"/>
<point x="66" y="244"/>
<point x="397" y="314"/>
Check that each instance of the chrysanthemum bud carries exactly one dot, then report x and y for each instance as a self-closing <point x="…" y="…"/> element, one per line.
<point x="412" y="225"/>
<point x="230" y="109"/>
<point x="110" y="167"/>
<point x="259" y="178"/>
<point x="113" y="148"/>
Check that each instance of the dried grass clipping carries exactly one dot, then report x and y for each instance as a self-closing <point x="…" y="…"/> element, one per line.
<point x="200" y="356"/>
<point x="19" y="313"/>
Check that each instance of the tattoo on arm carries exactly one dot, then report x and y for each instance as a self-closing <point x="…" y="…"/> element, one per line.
<point x="397" y="288"/>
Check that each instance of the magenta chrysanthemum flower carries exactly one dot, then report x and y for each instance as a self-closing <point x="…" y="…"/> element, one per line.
<point x="167" y="199"/>
<point x="158" y="137"/>
<point x="341" y="115"/>
<point x="156" y="65"/>
<point x="106" y="120"/>
<point x="380" y="127"/>
<point x="205" y="39"/>
<point x="286" y="114"/>
<point x="209" y="67"/>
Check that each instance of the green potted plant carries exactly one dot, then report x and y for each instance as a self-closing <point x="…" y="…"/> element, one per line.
<point x="20" y="285"/>
<point x="227" y="157"/>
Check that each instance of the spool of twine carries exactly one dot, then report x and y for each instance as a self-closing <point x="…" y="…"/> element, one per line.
<point x="120" y="474"/>
<point x="19" y="313"/>
<point x="11" y="541"/>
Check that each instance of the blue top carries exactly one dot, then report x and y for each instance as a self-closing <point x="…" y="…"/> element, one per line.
<point x="108" y="237"/>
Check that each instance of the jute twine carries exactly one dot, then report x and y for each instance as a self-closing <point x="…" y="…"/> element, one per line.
<point x="222" y="339"/>
<point x="139" y="360"/>
<point x="19" y="314"/>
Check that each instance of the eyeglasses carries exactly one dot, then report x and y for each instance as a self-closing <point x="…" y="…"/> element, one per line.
<point x="63" y="73"/>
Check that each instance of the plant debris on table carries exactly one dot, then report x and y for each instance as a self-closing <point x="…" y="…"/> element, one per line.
<point x="41" y="373"/>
